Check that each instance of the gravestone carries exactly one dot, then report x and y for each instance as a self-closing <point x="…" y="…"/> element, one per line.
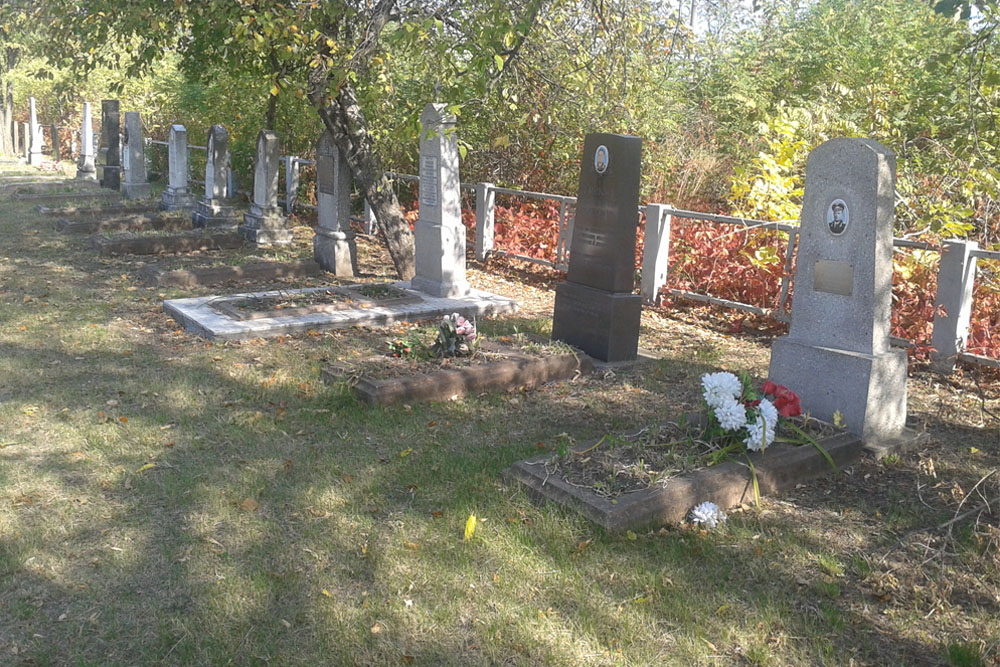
<point x="595" y="309"/>
<point x="35" y="137"/>
<point x="111" y="151"/>
<point x="836" y="355"/>
<point x="135" y="186"/>
<point x="334" y="246"/>
<point x="438" y="235"/>
<point x="15" y="137"/>
<point x="85" y="167"/>
<point x="56" y="147"/>
<point x="25" y="142"/>
<point x="214" y="209"/>
<point x="177" y="196"/>
<point x="264" y="223"/>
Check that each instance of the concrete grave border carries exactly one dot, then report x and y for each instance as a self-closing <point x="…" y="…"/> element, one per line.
<point x="197" y="315"/>
<point x="158" y="245"/>
<point x="778" y="469"/>
<point x="259" y="271"/>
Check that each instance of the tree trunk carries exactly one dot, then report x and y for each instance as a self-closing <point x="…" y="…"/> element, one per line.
<point x="346" y="121"/>
<point x="7" y="97"/>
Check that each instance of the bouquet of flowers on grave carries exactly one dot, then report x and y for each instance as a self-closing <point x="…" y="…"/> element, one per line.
<point x="737" y="413"/>
<point x="456" y="337"/>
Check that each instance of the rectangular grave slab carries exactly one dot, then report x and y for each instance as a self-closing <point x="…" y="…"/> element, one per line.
<point x="198" y="316"/>
<point x="515" y="371"/>
<point x="46" y="186"/>
<point x="258" y="271"/>
<point x="728" y="484"/>
<point x="82" y="195"/>
<point x="159" y="245"/>
<point x="112" y="209"/>
<point x="129" y="223"/>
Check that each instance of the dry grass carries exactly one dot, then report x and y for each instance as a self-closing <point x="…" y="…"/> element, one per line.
<point x="168" y="500"/>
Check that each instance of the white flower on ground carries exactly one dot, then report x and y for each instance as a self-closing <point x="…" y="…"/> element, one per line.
<point x="719" y="388"/>
<point x="761" y="431"/>
<point x="707" y="514"/>
<point x="770" y="414"/>
<point x="731" y="414"/>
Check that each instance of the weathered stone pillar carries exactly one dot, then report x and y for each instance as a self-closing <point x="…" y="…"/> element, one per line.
<point x="25" y="142"/>
<point x="177" y="196"/>
<point x="214" y="209"/>
<point x="56" y="148"/>
<point x="836" y="355"/>
<point x="439" y="236"/>
<point x="85" y="167"/>
<point x="953" y="304"/>
<point x="111" y="176"/>
<point x="485" y="209"/>
<point x="35" y="152"/>
<point x="264" y="224"/>
<point x="334" y="246"/>
<point x="656" y="246"/>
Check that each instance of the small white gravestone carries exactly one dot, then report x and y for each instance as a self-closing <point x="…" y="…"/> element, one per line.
<point x="213" y="209"/>
<point x="264" y="224"/>
<point x="177" y="196"/>
<point x="334" y="246"/>
<point x="439" y="236"/>
<point x="836" y="355"/>
<point x="85" y="167"/>
<point x="135" y="185"/>
<point x="35" y="136"/>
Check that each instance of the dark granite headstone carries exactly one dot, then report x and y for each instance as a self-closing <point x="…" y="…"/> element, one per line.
<point x="110" y="129"/>
<point x="595" y="309"/>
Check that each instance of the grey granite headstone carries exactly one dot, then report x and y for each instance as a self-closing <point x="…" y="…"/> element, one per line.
<point x="213" y="209"/>
<point x="110" y="129"/>
<point x="35" y="137"/>
<point x="836" y="355"/>
<point x="56" y="147"/>
<point x="334" y="246"/>
<point x="264" y="223"/>
<point x="177" y="196"/>
<point x="439" y="235"/>
<point x="595" y="309"/>
<point x="135" y="186"/>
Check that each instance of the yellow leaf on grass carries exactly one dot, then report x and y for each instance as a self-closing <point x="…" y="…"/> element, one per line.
<point x="412" y="546"/>
<point x="406" y="452"/>
<point x="250" y="505"/>
<point x="470" y="526"/>
<point x="148" y="466"/>
<point x="326" y="593"/>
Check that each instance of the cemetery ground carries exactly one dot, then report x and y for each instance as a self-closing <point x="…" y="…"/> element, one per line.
<point x="164" y="499"/>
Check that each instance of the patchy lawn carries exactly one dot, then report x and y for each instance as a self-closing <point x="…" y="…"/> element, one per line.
<point x="164" y="499"/>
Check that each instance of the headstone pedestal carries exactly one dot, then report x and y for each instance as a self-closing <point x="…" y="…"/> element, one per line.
<point x="111" y="142"/>
<point x="836" y="355"/>
<point x="595" y="309"/>
<point x="135" y="186"/>
<point x="177" y="196"/>
<point x="264" y="223"/>
<point x="85" y="167"/>
<point x="35" y="158"/>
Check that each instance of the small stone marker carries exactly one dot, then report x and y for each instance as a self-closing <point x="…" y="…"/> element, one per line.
<point x="595" y="309"/>
<point x="135" y="186"/>
<point x="15" y="138"/>
<point x="836" y="355"/>
<point x="26" y="141"/>
<point x="439" y="235"/>
<point x="177" y="196"/>
<point x="334" y="246"/>
<point x="264" y="224"/>
<point x="56" y="148"/>
<point x="110" y="128"/>
<point x="213" y="209"/>
<point x="35" y="137"/>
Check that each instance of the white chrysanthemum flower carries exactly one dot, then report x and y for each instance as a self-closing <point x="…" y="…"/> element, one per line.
<point x="731" y="414"/>
<point x="707" y="514"/>
<point x="769" y="413"/>
<point x="755" y="441"/>
<point x="719" y="388"/>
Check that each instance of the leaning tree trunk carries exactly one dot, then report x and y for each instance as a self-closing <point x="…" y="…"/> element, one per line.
<point x="345" y="119"/>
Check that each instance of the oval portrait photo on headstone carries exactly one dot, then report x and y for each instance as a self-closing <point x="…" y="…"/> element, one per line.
<point x="601" y="159"/>
<point x="838" y="217"/>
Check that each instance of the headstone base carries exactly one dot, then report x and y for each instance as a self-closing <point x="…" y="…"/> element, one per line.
<point x="86" y="172"/>
<point x="336" y="252"/>
<point x="440" y="259"/>
<point x="440" y="289"/>
<point x="136" y="190"/>
<point x="35" y="159"/>
<point x="265" y="226"/>
<point x="176" y="199"/>
<point x="212" y="213"/>
<point x="869" y="391"/>
<point x="605" y="325"/>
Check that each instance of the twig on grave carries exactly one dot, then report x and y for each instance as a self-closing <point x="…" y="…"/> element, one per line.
<point x="959" y="515"/>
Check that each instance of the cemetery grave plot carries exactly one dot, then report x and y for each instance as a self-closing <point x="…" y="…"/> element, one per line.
<point x="155" y="243"/>
<point x="113" y="209"/>
<point x="134" y="222"/>
<point x="294" y="304"/>
<point x="504" y="364"/>
<point x="82" y="195"/>
<point x="50" y="186"/>
<point x="657" y="474"/>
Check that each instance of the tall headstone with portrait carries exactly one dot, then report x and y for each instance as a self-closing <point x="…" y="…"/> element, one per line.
<point x="264" y="224"/>
<point x="214" y="209"/>
<point x="595" y="309"/>
<point x="111" y="155"/>
<point x="334" y="246"/>
<point x="837" y="355"/>
<point x="135" y="185"/>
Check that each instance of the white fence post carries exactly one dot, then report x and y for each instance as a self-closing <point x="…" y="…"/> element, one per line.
<point x="656" y="247"/>
<point x="485" y="209"/>
<point x="953" y="303"/>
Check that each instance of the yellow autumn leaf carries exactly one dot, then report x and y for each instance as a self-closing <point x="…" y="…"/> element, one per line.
<point x="326" y="593"/>
<point x="148" y="466"/>
<point x="470" y="527"/>
<point x="274" y="90"/>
